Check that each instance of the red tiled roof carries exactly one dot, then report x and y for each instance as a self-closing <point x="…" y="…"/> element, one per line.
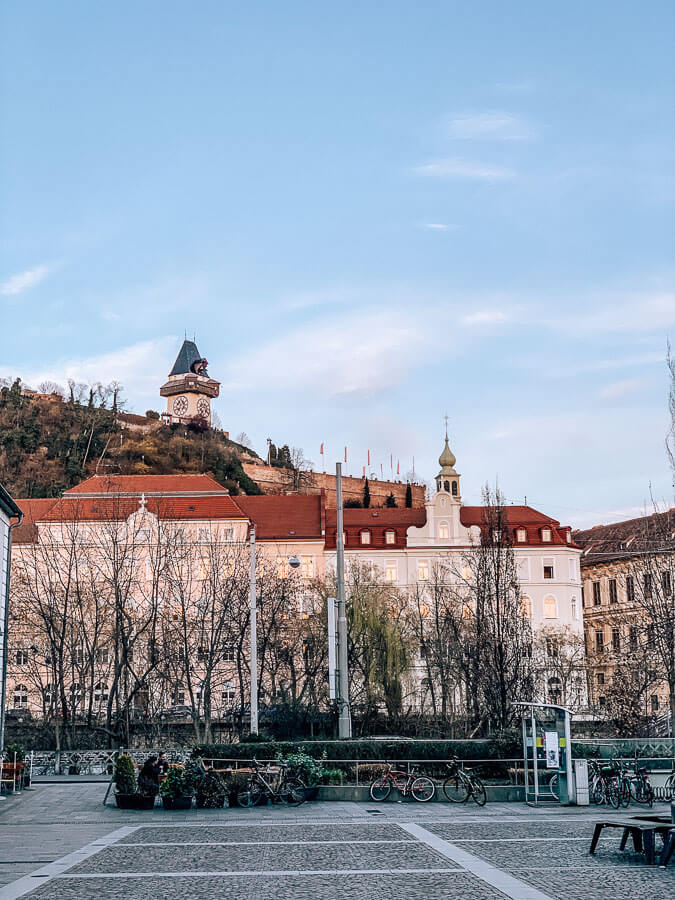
<point x="624" y="539"/>
<point x="26" y="532"/>
<point x="377" y="521"/>
<point x="284" y="517"/>
<point x="148" y="484"/>
<point x="521" y="517"/>
<point x="92" y="509"/>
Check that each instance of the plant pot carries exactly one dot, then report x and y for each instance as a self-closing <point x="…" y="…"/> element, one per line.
<point x="210" y="802"/>
<point x="312" y="792"/>
<point x="184" y="802"/>
<point x="134" y="801"/>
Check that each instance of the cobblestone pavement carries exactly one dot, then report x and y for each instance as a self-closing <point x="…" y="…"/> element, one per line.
<point x="59" y="841"/>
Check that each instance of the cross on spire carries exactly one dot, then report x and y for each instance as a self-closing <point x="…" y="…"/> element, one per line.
<point x="446" y="417"/>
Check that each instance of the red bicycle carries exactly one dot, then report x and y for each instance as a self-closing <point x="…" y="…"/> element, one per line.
<point x="408" y="783"/>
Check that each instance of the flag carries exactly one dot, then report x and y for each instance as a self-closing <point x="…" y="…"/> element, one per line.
<point x="364" y="471"/>
<point x="391" y="461"/>
<point x="321" y="450"/>
<point x="381" y="470"/>
<point x="345" y="454"/>
<point x="369" y="457"/>
<point x="398" y="466"/>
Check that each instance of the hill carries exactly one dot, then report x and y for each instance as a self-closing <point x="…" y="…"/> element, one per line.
<point x="49" y="443"/>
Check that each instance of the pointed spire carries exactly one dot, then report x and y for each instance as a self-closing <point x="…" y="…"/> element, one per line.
<point x="447" y="459"/>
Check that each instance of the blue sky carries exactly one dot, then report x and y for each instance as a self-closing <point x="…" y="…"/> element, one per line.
<point x="368" y="214"/>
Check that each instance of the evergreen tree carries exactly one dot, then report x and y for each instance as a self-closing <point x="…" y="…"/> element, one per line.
<point x="390" y="502"/>
<point x="408" y="496"/>
<point x="366" y="495"/>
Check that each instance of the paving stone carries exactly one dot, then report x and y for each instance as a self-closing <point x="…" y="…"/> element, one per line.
<point x="263" y="832"/>
<point x="493" y="831"/>
<point x="618" y="883"/>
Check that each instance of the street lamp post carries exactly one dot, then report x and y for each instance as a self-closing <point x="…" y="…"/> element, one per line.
<point x="344" y="714"/>
<point x="254" y="636"/>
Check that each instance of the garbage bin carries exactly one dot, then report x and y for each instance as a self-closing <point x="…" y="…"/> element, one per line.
<point x="581" y="782"/>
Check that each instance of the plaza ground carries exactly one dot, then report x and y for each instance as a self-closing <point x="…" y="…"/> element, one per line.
<point x="59" y="841"/>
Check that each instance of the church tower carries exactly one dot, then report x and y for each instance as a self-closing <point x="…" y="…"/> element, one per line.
<point x="447" y="479"/>
<point x="189" y="390"/>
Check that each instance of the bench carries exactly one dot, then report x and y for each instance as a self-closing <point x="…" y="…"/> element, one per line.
<point x="642" y="833"/>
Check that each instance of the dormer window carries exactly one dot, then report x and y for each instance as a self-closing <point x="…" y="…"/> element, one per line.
<point x="390" y="537"/>
<point x="546" y="535"/>
<point x="365" y="537"/>
<point x="521" y="535"/>
<point x="568" y="537"/>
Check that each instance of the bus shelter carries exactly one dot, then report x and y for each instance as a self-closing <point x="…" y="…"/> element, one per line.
<point x="547" y="753"/>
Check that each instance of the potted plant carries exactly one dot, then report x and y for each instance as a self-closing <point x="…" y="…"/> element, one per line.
<point x="15" y="753"/>
<point x="211" y="790"/>
<point x="310" y="771"/>
<point x="175" y="790"/>
<point x="126" y="794"/>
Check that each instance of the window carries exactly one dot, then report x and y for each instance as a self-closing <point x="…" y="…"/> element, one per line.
<point x="600" y="678"/>
<point x="204" y="534"/>
<point x="21" y="657"/>
<point x="523" y="566"/>
<point x="573" y="568"/>
<point x="548" y="571"/>
<point x="526" y="607"/>
<point x="583" y="597"/>
<point x="602" y="701"/>
<point x="647" y="586"/>
<point x="612" y="590"/>
<point x="76" y="695"/>
<point x="521" y="535"/>
<point x="550" y="607"/>
<point x="546" y="535"/>
<point x="307" y="567"/>
<point x="390" y="537"/>
<point x="228" y="533"/>
<point x="630" y="588"/>
<point x="391" y="571"/>
<point x="554" y="690"/>
<point x="202" y="654"/>
<point x="651" y="634"/>
<point x="283" y="567"/>
<point x="228" y="653"/>
<point x="100" y="692"/>
<point x="422" y="570"/>
<point x="20" y="696"/>
<point x="597" y="600"/>
<point x="496" y="535"/>
<point x="599" y="641"/>
<point x="102" y="655"/>
<point x="443" y="531"/>
<point x="365" y="537"/>
<point x="616" y="640"/>
<point x="552" y="647"/>
<point x="527" y="651"/>
<point x="665" y="583"/>
<point x="574" y="608"/>
<point x="49" y="695"/>
<point x="633" y="637"/>
<point x="654" y="703"/>
<point x="178" y="695"/>
<point x="78" y="656"/>
<point x="229" y="694"/>
<point x="454" y="488"/>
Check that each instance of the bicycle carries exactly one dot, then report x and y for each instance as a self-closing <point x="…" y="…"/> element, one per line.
<point x="407" y="783"/>
<point x="641" y="789"/>
<point x="603" y="786"/>
<point x="623" y="782"/>
<point x="460" y="785"/>
<point x="288" y="789"/>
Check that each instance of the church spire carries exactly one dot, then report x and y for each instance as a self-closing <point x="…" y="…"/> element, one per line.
<point x="447" y="479"/>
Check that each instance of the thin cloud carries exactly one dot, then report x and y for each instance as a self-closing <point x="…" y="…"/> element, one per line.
<point x="493" y="126"/>
<point x="435" y="226"/>
<point x="620" y="389"/>
<point x="486" y="317"/>
<point x="23" y="281"/>
<point x="460" y="168"/>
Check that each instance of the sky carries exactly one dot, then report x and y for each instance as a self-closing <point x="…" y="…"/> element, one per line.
<point x="369" y="216"/>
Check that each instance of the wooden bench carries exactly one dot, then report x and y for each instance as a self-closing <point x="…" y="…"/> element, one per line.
<point x="642" y="832"/>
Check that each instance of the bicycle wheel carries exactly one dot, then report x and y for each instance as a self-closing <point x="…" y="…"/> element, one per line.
<point x="612" y="794"/>
<point x="292" y="792"/>
<point x="597" y="793"/>
<point x="553" y="785"/>
<point x="456" y="789"/>
<point x="478" y="793"/>
<point x="250" y="796"/>
<point x="423" y="789"/>
<point x="380" y="788"/>
<point x="624" y="793"/>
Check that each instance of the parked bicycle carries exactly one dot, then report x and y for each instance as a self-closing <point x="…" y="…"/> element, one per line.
<point x="641" y="789"/>
<point x="276" y="785"/>
<point x="407" y="783"/>
<point x="460" y="785"/>
<point x="603" y="785"/>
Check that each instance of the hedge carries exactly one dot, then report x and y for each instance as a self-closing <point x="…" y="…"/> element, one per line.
<point x="490" y="748"/>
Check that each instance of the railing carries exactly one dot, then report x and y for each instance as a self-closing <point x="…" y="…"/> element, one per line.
<point x="90" y="762"/>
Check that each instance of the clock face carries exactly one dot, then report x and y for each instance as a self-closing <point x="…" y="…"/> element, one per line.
<point x="180" y="406"/>
<point x="203" y="407"/>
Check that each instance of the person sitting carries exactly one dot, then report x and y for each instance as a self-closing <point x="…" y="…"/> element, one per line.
<point x="148" y="778"/>
<point x="162" y="764"/>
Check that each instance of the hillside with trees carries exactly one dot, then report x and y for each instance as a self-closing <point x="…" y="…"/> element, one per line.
<point x="52" y="440"/>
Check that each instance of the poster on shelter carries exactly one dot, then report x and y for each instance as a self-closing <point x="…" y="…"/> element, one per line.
<point x="551" y="749"/>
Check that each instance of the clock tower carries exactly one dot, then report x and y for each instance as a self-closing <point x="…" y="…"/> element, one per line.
<point x="189" y="389"/>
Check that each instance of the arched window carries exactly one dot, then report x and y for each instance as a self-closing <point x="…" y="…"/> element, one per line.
<point x="443" y="531"/>
<point x="550" y="607"/>
<point x="554" y="690"/>
<point x="454" y="488"/>
<point x="446" y="486"/>
<point x="76" y="695"/>
<point x="526" y="607"/>
<point x="20" y="696"/>
<point x="365" y="537"/>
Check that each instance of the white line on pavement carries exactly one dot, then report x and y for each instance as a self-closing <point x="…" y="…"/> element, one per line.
<point x="502" y="881"/>
<point x="259" y="843"/>
<point x="55" y="869"/>
<point x="258" y="872"/>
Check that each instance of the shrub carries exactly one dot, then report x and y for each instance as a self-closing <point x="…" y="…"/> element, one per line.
<point x="125" y="774"/>
<point x="175" y="784"/>
<point x="305" y="767"/>
<point x="211" y="789"/>
<point x="11" y="749"/>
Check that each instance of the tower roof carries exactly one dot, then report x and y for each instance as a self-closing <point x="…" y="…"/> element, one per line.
<point x="447" y="460"/>
<point x="188" y="355"/>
